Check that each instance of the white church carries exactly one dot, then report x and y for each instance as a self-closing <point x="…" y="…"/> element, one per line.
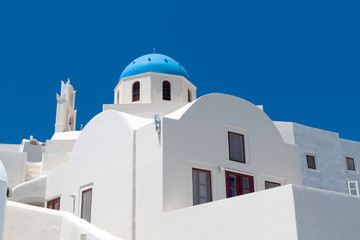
<point x="162" y="164"/>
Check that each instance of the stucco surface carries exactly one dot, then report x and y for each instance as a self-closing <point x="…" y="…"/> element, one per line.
<point x="326" y="215"/>
<point x="15" y="165"/>
<point x="34" y="152"/>
<point x="267" y="214"/>
<point x="151" y="89"/>
<point x="330" y="152"/>
<point x="3" y="190"/>
<point x="30" y="192"/>
<point x="34" y="223"/>
<point x="10" y="147"/>
<point x="102" y="159"/>
<point x="199" y="139"/>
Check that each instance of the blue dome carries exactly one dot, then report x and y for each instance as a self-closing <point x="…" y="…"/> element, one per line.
<point x="155" y="62"/>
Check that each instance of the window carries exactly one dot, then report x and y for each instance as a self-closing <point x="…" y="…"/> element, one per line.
<point x="136" y="92"/>
<point x="118" y="97"/>
<point x="269" y="185"/>
<point x="201" y="186"/>
<point x="189" y="95"/>
<point x="54" y="204"/>
<point x="166" y="91"/>
<point x="311" y="161"/>
<point x="236" y="147"/>
<point x="350" y="163"/>
<point x="238" y="184"/>
<point x="86" y="198"/>
<point x="353" y="188"/>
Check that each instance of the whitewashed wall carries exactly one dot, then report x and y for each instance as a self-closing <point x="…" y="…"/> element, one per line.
<point x="15" y="165"/>
<point x="102" y="159"/>
<point x="330" y="153"/>
<point x="199" y="139"/>
<point x="9" y="147"/>
<point x="351" y="149"/>
<point x="151" y="88"/>
<point x="3" y="191"/>
<point x="146" y="110"/>
<point x="34" y="152"/>
<point x="326" y="215"/>
<point x="149" y="179"/>
<point x="287" y="212"/>
<point x="31" y="192"/>
<point x="263" y="215"/>
<point x="34" y="223"/>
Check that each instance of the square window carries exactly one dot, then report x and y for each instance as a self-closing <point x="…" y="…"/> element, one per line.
<point x="353" y="188"/>
<point x="201" y="186"/>
<point x="236" y="147"/>
<point x="269" y="185"/>
<point x="350" y="163"/>
<point x="311" y="161"/>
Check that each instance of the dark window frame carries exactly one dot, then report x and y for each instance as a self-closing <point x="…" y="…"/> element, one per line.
<point x="136" y="91"/>
<point x="310" y="158"/>
<point x="51" y="203"/>
<point x="166" y="90"/>
<point x="274" y="183"/>
<point x="198" y="190"/>
<point x="243" y="145"/>
<point x="239" y="183"/>
<point x="189" y="95"/>
<point x="350" y="167"/>
<point x="82" y="203"/>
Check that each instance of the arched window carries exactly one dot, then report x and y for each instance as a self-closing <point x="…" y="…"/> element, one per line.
<point x="166" y="90"/>
<point x="189" y="95"/>
<point x="136" y="92"/>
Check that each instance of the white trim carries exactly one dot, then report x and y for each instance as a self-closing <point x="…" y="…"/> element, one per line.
<point x="356" y="188"/>
<point x="81" y="190"/>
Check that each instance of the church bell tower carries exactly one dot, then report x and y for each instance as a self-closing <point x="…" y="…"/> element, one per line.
<point x="65" y="113"/>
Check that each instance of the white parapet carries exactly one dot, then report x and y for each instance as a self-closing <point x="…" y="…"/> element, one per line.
<point x="34" y="223"/>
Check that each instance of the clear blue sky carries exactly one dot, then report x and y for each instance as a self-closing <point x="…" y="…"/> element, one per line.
<point x="300" y="59"/>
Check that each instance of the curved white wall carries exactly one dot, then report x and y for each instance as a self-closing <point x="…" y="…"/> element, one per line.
<point x="34" y="223"/>
<point x="31" y="192"/>
<point x="199" y="139"/>
<point x="102" y="159"/>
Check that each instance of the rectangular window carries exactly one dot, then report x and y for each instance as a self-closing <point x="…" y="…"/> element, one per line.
<point x="311" y="161"/>
<point x="54" y="204"/>
<point x="201" y="186"/>
<point x="86" y="198"/>
<point x="269" y="185"/>
<point x="238" y="184"/>
<point x="236" y="147"/>
<point x="353" y="188"/>
<point x="350" y="163"/>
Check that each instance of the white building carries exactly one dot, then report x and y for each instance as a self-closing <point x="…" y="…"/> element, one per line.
<point x="161" y="164"/>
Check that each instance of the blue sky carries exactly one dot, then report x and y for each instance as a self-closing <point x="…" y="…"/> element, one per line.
<point x="300" y="59"/>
